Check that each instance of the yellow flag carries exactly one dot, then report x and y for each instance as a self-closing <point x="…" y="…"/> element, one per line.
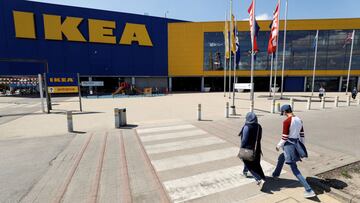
<point x="233" y="37"/>
<point x="226" y="38"/>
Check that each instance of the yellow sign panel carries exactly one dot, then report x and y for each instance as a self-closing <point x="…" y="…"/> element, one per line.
<point x="63" y="89"/>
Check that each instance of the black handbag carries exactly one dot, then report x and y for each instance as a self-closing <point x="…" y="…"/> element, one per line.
<point x="249" y="154"/>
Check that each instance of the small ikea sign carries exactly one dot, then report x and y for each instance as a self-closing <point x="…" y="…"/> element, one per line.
<point x="56" y="79"/>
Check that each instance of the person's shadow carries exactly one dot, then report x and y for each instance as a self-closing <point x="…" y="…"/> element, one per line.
<point x="272" y="185"/>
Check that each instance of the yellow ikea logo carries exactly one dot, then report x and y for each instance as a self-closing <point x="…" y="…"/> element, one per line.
<point x="61" y="80"/>
<point x="100" y="31"/>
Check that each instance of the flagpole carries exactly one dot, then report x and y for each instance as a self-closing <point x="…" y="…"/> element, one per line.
<point x="271" y="72"/>
<point x="225" y="38"/>
<point x="276" y="57"/>
<point x="252" y="59"/>
<point x="351" y="53"/>
<point x="230" y="44"/>
<point x="234" y="69"/>
<point x="284" y="47"/>
<point x="315" y="57"/>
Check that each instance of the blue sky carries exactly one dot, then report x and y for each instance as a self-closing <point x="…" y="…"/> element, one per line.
<point x="214" y="10"/>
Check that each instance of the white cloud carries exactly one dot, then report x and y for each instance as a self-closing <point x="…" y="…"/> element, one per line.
<point x="263" y="16"/>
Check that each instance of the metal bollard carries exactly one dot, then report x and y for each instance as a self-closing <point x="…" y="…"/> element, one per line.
<point x="348" y="99"/>
<point x="227" y="110"/>
<point x="233" y="110"/>
<point x="272" y="106"/>
<point x="69" y="121"/>
<point x="292" y="103"/>
<point x="120" y="117"/>
<point x="199" y="112"/>
<point x="358" y="101"/>
<point x="336" y="102"/>
<point x="323" y="102"/>
<point x="278" y="107"/>
<point x="308" y="106"/>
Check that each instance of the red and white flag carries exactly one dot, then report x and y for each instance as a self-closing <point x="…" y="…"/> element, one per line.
<point x="274" y="34"/>
<point x="251" y="12"/>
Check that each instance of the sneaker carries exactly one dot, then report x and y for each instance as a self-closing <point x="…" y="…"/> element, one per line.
<point x="275" y="177"/>
<point x="260" y="183"/>
<point x="309" y="194"/>
<point x="245" y="174"/>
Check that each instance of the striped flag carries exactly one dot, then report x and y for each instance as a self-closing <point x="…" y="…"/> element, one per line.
<point x="254" y="29"/>
<point x="233" y="40"/>
<point x="274" y="34"/>
<point x="237" y="45"/>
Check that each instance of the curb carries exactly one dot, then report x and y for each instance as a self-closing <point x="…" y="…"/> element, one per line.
<point x="339" y="195"/>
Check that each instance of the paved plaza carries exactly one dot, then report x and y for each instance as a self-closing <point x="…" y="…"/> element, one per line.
<point x="165" y="154"/>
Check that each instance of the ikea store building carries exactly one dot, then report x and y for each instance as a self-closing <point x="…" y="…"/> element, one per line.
<point x="165" y="53"/>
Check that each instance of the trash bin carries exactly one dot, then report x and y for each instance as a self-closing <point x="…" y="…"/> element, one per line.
<point x="120" y="117"/>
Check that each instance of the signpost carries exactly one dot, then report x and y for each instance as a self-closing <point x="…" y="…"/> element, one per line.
<point x="57" y="83"/>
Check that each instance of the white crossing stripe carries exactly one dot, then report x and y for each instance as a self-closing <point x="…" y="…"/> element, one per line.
<point x="172" y="135"/>
<point x="192" y="159"/>
<point x="188" y="188"/>
<point x="187" y="144"/>
<point x="32" y="105"/>
<point x="161" y="129"/>
<point x="4" y="105"/>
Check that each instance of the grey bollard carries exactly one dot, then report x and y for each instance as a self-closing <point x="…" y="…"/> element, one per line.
<point x="233" y="110"/>
<point x="348" y="99"/>
<point x="69" y="121"/>
<point x="336" y="102"/>
<point x="278" y="107"/>
<point x="323" y="103"/>
<point x="358" y="101"/>
<point x="272" y="106"/>
<point x="227" y="110"/>
<point x="120" y="117"/>
<point x="199" y="112"/>
<point x="292" y="104"/>
<point x="308" y="106"/>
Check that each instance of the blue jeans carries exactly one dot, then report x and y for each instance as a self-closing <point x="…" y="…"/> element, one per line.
<point x="294" y="169"/>
<point x="253" y="173"/>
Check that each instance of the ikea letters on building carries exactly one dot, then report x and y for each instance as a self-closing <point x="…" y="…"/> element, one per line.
<point x="161" y="53"/>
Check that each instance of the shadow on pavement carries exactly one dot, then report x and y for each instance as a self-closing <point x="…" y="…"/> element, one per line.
<point x="271" y="185"/>
<point x="129" y="126"/>
<point x="58" y="112"/>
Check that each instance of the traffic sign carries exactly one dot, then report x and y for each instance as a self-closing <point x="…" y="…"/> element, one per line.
<point x="92" y="83"/>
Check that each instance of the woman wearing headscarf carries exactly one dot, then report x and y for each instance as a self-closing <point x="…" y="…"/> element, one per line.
<point x="251" y="139"/>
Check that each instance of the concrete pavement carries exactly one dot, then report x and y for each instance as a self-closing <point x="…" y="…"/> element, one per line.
<point x="169" y="156"/>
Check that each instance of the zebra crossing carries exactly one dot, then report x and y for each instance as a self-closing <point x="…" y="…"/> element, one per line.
<point x="181" y="155"/>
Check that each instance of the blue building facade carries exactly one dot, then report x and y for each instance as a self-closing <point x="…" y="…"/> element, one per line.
<point x="71" y="56"/>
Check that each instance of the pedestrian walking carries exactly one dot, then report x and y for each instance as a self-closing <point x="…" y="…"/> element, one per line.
<point x="250" y="148"/>
<point x="354" y="93"/>
<point x="293" y="145"/>
<point x="321" y="92"/>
